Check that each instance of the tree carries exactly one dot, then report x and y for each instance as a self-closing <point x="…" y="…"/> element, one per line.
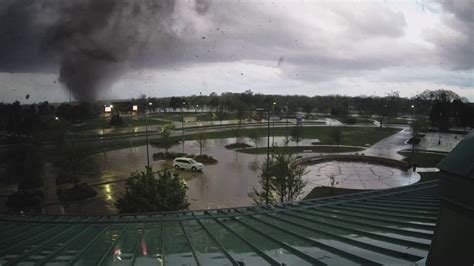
<point x="213" y="101"/>
<point x="149" y="191"/>
<point x="202" y="137"/>
<point x="307" y="107"/>
<point x="76" y="164"/>
<point x="83" y="112"/>
<point x="75" y="161"/>
<point x="64" y="111"/>
<point x="297" y="134"/>
<point x="175" y="103"/>
<point x="220" y="114"/>
<point x="381" y="109"/>
<point x="165" y="133"/>
<point x="254" y="136"/>
<point x="116" y="121"/>
<point x="439" y="115"/>
<point x="237" y="131"/>
<point x="393" y="104"/>
<point x="285" y="180"/>
<point x="416" y="126"/>
<point x="263" y="195"/>
<point x="333" y="183"/>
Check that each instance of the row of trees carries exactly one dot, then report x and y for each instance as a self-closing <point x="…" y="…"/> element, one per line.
<point x="25" y="119"/>
<point x="443" y="107"/>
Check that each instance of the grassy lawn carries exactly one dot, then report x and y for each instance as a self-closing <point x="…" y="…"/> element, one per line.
<point x="178" y="117"/>
<point x="396" y="121"/>
<point x="128" y="121"/>
<point x="293" y="149"/>
<point x="423" y="159"/>
<point x="429" y="176"/>
<point x="356" y="120"/>
<point x="352" y="136"/>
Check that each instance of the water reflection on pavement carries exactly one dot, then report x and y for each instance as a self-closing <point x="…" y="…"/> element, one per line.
<point x="357" y="175"/>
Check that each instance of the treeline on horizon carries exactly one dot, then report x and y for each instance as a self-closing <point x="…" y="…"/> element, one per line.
<point x="444" y="108"/>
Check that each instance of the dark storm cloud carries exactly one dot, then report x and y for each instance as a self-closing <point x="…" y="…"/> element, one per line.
<point x="455" y="45"/>
<point x="20" y="37"/>
<point x="92" y="41"/>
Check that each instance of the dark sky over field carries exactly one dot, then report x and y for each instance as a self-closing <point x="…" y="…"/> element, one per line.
<point x="104" y="49"/>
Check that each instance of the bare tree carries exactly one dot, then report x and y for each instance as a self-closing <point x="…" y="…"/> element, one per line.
<point x="297" y="134"/>
<point x="285" y="180"/>
<point x="254" y="136"/>
<point x="165" y="133"/>
<point x="202" y="139"/>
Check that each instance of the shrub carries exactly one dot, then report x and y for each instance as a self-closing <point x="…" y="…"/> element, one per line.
<point x="80" y="192"/>
<point x="204" y="158"/>
<point x="23" y="199"/>
<point x="351" y="120"/>
<point x="167" y="155"/>
<point x="414" y="140"/>
<point x="153" y="192"/>
<point x="237" y="145"/>
<point x="30" y="183"/>
<point x="116" y="121"/>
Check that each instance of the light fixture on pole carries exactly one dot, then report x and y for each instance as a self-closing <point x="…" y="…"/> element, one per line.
<point x="182" y="127"/>
<point x="267" y="178"/>
<point x="146" y="138"/>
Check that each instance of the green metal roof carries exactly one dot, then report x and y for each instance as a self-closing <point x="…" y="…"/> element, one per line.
<point x="460" y="160"/>
<point x="392" y="226"/>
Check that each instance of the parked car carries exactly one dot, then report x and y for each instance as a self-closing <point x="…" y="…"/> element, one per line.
<point x="187" y="164"/>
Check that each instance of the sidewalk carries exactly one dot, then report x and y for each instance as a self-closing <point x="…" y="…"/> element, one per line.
<point x="431" y="140"/>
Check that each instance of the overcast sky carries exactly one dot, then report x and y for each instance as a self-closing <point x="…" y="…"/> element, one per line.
<point x="271" y="47"/>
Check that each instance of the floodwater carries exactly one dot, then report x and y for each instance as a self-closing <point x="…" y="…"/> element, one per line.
<point x="225" y="184"/>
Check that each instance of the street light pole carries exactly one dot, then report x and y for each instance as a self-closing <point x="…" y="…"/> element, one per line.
<point x="413" y="133"/>
<point x="267" y="180"/>
<point x="146" y="137"/>
<point x="182" y="127"/>
<point x="439" y="128"/>
<point x="273" y="124"/>
<point x="267" y="177"/>
<point x="286" y="125"/>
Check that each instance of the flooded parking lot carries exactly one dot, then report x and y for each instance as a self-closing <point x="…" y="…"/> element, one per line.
<point x="227" y="183"/>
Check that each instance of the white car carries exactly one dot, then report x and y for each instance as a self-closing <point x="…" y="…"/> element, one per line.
<point x="187" y="164"/>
